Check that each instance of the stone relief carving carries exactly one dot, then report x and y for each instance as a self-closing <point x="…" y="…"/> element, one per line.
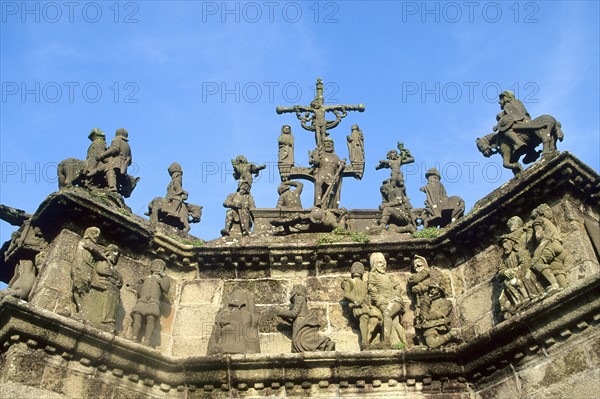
<point x="355" y="291"/>
<point x="305" y="325"/>
<point x="385" y="295"/>
<point x="173" y="209"/>
<point x="517" y="135"/>
<point x="87" y="254"/>
<point x="21" y="283"/>
<point x="533" y="261"/>
<point x="102" y="301"/>
<point x="548" y="254"/>
<point x="150" y="290"/>
<point x="432" y="308"/>
<point x="236" y="326"/>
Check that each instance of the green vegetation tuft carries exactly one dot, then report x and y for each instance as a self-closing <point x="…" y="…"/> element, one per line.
<point x="340" y="234"/>
<point x="429" y="232"/>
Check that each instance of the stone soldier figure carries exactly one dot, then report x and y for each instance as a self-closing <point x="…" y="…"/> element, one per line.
<point x="118" y="157"/>
<point x="95" y="149"/>
<point x="305" y="325"/>
<point x="149" y="292"/>
<point x="289" y="199"/>
<point x="88" y="252"/>
<point x="548" y="256"/>
<point x="386" y="296"/>
<point x="240" y="204"/>
<point x="355" y="291"/>
<point x="103" y="300"/>
<point x="513" y="112"/>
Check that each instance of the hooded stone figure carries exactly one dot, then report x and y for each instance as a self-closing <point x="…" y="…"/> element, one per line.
<point x="236" y="326"/>
<point x="305" y="325"/>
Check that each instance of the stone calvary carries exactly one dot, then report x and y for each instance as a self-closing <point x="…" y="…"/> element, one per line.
<point x="319" y="301"/>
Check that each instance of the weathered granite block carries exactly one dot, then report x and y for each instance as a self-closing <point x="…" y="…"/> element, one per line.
<point x="207" y="291"/>
<point x="265" y="291"/>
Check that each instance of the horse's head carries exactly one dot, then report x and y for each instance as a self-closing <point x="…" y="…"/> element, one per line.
<point x="486" y="146"/>
<point x="195" y="213"/>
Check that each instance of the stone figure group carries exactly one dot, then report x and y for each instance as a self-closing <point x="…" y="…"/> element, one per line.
<point x="96" y="286"/>
<point x="104" y="168"/>
<point x="533" y="261"/>
<point x="376" y="300"/>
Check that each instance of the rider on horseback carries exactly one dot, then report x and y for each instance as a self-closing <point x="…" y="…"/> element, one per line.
<point x="513" y="111"/>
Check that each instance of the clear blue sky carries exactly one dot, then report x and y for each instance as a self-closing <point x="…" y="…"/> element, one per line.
<point x="198" y="82"/>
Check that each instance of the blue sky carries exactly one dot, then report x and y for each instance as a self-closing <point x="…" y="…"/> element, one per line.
<point x="198" y="82"/>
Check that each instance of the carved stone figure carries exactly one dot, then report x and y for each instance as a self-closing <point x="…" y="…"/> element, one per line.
<point x="520" y="286"/>
<point x="518" y="135"/>
<point x="419" y="282"/>
<point x="436" y="318"/>
<point x="236" y="326"/>
<point x="240" y="206"/>
<point x="289" y="199"/>
<point x="95" y="149"/>
<point x="394" y="162"/>
<point x="328" y="176"/>
<point x="386" y="295"/>
<point x="314" y="115"/>
<point x="88" y="252"/>
<point x="396" y="210"/>
<point x="118" y="158"/>
<point x="318" y="220"/>
<point x="548" y="255"/>
<point x="21" y="283"/>
<point x="356" y="147"/>
<point x="440" y="210"/>
<point x="28" y="238"/>
<point x="305" y="325"/>
<point x="173" y="209"/>
<point x="149" y="293"/>
<point x="285" y="158"/>
<point x="103" y="299"/>
<point x="356" y="292"/>
<point x="243" y="170"/>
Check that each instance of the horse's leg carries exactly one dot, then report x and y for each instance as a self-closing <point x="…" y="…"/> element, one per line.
<point x="514" y="166"/>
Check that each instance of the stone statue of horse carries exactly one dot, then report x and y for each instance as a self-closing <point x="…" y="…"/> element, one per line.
<point x="544" y="130"/>
<point x="73" y="172"/>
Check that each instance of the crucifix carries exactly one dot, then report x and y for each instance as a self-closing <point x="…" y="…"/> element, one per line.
<point x="326" y="170"/>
